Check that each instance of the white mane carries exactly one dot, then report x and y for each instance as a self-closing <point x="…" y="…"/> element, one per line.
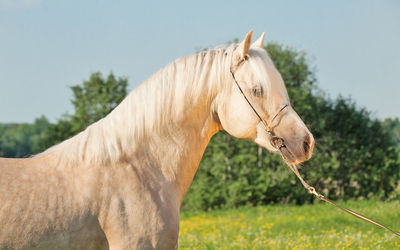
<point x="161" y="100"/>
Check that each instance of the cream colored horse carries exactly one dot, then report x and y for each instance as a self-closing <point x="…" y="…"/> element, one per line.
<point x="120" y="183"/>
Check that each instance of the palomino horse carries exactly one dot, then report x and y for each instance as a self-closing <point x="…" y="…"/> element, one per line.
<point x="120" y="183"/>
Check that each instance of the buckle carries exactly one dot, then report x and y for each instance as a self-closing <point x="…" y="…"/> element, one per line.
<point x="277" y="142"/>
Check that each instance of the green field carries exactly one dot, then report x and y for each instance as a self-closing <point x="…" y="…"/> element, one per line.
<point x="319" y="226"/>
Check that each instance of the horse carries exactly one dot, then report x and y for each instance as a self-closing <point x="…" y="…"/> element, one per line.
<point x="120" y="183"/>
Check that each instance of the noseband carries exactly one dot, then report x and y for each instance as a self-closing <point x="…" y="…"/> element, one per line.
<point x="276" y="141"/>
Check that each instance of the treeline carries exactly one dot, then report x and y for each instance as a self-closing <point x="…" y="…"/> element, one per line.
<point x="24" y="139"/>
<point x="356" y="155"/>
<point x="92" y="100"/>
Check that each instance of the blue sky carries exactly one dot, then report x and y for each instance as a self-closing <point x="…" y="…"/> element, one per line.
<point x="46" y="46"/>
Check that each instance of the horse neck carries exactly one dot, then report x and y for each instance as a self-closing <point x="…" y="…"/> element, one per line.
<point x="166" y="122"/>
<point x="174" y="114"/>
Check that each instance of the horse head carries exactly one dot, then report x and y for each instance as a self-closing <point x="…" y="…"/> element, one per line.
<point x="254" y="103"/>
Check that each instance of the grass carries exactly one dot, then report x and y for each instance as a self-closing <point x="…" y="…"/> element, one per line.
<point x="319" y="226"/>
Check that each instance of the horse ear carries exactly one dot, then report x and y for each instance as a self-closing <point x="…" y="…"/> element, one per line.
<point x="260" y="42"/>
<point x="241" y="51"/>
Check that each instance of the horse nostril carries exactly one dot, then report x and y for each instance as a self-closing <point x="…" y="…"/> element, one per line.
<point x="306" y="147"/>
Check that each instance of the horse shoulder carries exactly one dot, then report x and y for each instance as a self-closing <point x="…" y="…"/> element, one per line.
<point x="139" y="208"/>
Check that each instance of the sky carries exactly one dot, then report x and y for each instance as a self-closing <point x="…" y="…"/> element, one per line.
<point x="47" y="46"/>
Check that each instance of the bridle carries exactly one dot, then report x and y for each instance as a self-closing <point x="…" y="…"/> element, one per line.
<point x="278" y="143"/>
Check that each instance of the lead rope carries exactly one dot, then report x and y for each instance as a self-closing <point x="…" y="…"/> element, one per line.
<point x="279" y="143"/>
<point x="312" y="191"/>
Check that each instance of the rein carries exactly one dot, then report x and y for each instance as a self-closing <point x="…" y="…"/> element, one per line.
<point x="312" y="191"/>
<point x="278" y="143"/>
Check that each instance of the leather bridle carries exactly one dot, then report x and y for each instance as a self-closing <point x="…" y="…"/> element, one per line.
<point x="276" y="141"/>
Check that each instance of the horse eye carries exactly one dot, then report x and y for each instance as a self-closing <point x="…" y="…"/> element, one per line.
<point x="256" y="91"/>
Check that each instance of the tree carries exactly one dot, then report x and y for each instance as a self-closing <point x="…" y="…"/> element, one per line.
<point x="95" y="99"/>
<point x="92" y="100"/>
<point x="22" y="140"/>
<point x="354" y="156"/>
<point x="393" y="126"/>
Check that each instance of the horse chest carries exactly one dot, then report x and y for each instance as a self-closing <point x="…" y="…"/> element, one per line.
<point x="139" y="212"/>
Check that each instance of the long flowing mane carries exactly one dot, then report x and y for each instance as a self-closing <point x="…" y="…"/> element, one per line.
<point x="161" y="100"/>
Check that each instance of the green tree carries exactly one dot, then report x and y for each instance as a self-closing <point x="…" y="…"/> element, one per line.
<point x="354" y="156"/>
<point x="92" y="100"/>
<point x="57" y="132"/>
<point x="22" y="140"/>
<point x="95" y="98"/>
<point x="393" y="126"/>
